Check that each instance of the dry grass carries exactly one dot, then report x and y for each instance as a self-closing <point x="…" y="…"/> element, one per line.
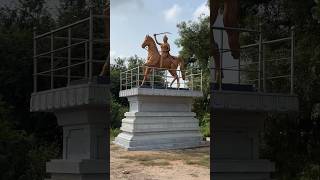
<point x="191" y="157"/>
<point x="191" y="164"/>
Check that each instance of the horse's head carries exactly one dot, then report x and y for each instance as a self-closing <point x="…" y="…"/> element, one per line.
<point x="147" y="41"/>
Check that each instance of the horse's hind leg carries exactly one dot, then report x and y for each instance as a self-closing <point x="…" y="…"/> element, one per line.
<point x="145" y="76"/>
<point x="175" y="77"/>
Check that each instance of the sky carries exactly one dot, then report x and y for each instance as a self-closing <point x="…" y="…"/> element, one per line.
<point x="132" y="20"/>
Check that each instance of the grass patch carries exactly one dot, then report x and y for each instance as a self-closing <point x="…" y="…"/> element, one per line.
<point x="191" y="157"/>
<point x="155" y="163"/>
<point x="203" y="161"/>
<point x="148" y="160"/>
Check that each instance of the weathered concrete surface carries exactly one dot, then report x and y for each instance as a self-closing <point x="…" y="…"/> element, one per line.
<point x="237" y="119"/>
<point x="83" y="112"/>
<point x="159" y="119"/>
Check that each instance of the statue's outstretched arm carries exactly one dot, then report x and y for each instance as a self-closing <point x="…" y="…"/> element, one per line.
<point x="155" y="38"/>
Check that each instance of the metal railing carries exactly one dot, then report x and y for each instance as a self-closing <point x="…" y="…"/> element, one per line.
<point x="256" y="65"/>
<point x="64" y="66"/>
<point x="160" y="78"/>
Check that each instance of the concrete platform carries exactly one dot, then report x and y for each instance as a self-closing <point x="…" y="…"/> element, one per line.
<point x="159" y="119"/>
<point x="83" y="112"/>
<point x="237" y="119"/>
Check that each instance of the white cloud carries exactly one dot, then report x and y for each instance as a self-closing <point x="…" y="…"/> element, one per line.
<point x="172" y="13"/>
<point x="127" y="3"/>
<point x="203" y="9"/>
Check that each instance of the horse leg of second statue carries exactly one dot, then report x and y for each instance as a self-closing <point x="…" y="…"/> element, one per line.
<point x="175" y="77"/>
<point x="146" y="73"/>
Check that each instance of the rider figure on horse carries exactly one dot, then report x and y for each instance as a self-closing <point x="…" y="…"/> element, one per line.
<point x="165" y="49"/>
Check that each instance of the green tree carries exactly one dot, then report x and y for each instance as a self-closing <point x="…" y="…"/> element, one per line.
<point x="293" y="142"/>
<point x="194" y="44"/>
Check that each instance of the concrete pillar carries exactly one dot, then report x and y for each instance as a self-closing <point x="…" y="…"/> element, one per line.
<point x="83" y="112"/>
<point x="237" y="120"/>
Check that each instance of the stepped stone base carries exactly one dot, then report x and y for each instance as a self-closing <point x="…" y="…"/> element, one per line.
<point x="159" y="119"/>
<point x="151" y="131"/>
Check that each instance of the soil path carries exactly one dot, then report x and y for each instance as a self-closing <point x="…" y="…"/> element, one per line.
<point x="188" y="164"/>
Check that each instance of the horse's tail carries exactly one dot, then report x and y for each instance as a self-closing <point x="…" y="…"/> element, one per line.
<point x="182" y="68"/>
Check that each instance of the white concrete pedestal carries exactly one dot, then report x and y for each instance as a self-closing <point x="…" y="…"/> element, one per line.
<point x="237" y="121"/>
<point x="82" y="111"/>
<point x="159" y="119"/>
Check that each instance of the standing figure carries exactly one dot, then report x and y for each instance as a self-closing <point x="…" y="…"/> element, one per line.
<point x="165" y="49"/>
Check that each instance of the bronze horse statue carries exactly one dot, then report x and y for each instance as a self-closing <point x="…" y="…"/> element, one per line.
<point x="153" y="61"/>
<point x="231" y="20"/>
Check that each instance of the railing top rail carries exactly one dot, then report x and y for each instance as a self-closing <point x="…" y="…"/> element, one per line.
<point x="235" y="29"/>
<point x="132" y="78"/>
<point x="61" y="28"/>
<point x="68" y="26"/>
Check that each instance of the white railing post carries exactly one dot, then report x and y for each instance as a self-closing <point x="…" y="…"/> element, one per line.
<point x="131" y="78"/>
<point x="191" y="74"/>
<point x="292" y="61"/>
<point x="152" y="77"/>
<point x="221" y="59"/>
<point x="120" y="81"/>
<point x="138" y="78"/>
<point x="166" y="83"/>
<point x="34" y="60"/>
<point x="201" y="81"/>
<point x="259" y="58"/>
<point x="51" y="62"/>
<point x="69" y="55"/>
<point x="90" y="44"/>
<point x="126" y="80"/>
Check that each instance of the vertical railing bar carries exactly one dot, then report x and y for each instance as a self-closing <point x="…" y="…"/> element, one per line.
<point x="126" y="80"/>
<point x="34" y="60"/>
<point x="86" y="60"/>
<point x="201" y="81"/>
<point x="292" y="62"/>
<point x="221" y="59"/>
<point x="178" y="80"/>
<point x="90" y="43"/>
<point x="69" y="55"/>
<point x="166" y="76"/>
<point x="259" y="58"/>
<point x="51" y="62"/>
<point x="239" y="66"/>
<point x="120" y="81"/>
<point x="152" y="78"/>
<point x="131" y="78"/>
<point x="138" y="78"/>
<point x="191" y="79"/>
<point x="264" y="84"/>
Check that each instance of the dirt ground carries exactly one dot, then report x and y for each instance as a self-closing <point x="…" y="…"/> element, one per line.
<point x="187" y="164"/>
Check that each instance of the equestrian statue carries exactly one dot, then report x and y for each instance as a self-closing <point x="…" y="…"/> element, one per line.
<point x="163" y="61"/>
